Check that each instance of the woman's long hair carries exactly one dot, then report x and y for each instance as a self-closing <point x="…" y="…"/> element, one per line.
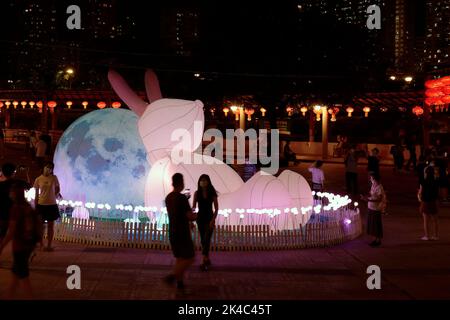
<point x="211" y="191"/>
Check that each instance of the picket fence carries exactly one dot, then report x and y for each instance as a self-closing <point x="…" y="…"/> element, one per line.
<point x="225" y="238"/>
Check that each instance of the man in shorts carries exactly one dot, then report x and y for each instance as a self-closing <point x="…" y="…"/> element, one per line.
<point x="180" y="222"/>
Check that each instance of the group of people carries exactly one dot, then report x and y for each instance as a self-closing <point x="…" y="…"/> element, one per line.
<point x="24" y="225"/>
<point x="376" y="199"/>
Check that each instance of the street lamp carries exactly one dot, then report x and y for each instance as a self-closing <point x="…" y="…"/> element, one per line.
<point x="408" y="79"/>
<point x="392" y="78"/>
<point x="69" y="71"/>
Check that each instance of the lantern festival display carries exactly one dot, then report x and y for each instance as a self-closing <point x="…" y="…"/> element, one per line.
<point x="303" y="110"/>
<point x="318" y="111"/>
<point x="437" y="93"/>
<point x="101" y="105"/>
<point x="349" y="111"/>
<point x="263" y="111"/>
<point x="418" y="111"/>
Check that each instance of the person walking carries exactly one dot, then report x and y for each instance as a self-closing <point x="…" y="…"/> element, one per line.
<point x="205" y="197"/>
<point x="373" y="163"/>
<point x="8" y="171"/>
<point x="41" y="150"/>
<point x="33" y="141"/>
<point x="351" y="171"/>
<point x="376" y="203"/>
<point x="318" y="177"/>
<point x="25" y="231"/>
<point x="2" y="144"/>
<point x="411" y="147"/>
<point x="289" y="155"/>
<point x="428" y="197"/>
<point x="180" y="224"/>
<point x="399" y="159"/>
<point x="47" y="189"/>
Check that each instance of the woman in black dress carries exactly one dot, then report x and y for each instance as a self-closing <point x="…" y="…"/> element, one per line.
<point x="428" y="196"/>
<point x="205" y="197"/>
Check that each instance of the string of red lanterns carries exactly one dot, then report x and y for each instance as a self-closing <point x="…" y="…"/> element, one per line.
<point x="438" y="95"/>
<point x="52" y="104"/>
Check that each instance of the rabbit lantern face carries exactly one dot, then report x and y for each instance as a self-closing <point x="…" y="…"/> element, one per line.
<point x="162" y="117"/>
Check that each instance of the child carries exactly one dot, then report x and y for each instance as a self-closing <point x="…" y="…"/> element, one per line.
<point x="318" y="177"/>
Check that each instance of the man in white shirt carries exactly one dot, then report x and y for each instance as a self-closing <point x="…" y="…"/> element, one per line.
<point x="318" y="177"/>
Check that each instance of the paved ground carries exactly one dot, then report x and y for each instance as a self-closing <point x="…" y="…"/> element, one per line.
<point x="411" y="269"/>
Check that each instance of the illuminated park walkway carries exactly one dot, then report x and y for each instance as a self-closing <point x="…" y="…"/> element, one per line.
<point x="411" y="269"/>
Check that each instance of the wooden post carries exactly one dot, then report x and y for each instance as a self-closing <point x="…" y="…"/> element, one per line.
<point x="54" y="119"/>
<point x="311" y="126"/>
<point x="324" y="133"/>
<point x="44" y="119"/>
<point x="7" y="118"/>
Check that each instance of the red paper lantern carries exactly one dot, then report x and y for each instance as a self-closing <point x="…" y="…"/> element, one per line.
<point x="52" y="104"/>
<point x="445" y="99"/>
<point x="445" y="90"/>
<point x="430" y="101"/>
<point x="432" y="84"/>
<point x="445" y="80"/>
<point x="116" y="104"/>
<point x="101" y="104"/>
<point x="438" y="101"/>
<point x="434" y="93"/>
<point x="417" y="110"/>
<point x="1" y="104"/>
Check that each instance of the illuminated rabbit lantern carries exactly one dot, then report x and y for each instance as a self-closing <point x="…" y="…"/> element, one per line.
<point x="157" y="121"/>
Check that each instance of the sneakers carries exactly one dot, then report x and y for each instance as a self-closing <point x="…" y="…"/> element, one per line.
<point x="434" y="238"/>
<point x="424" y="238"/>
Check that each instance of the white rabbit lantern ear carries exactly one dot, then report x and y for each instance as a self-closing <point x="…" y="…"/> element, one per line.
<point x="152" y="86"/>
<point x="126" y="93"/>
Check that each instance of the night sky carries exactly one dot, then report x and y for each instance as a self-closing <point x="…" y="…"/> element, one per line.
<point x="242" y="47"/>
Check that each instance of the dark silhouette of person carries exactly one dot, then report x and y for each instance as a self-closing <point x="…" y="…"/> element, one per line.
<point x="206" y="197"/>
<point x="180" y="220"/>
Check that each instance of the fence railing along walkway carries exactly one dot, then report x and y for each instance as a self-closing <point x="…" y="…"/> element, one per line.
<point x="225" y="238"/>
